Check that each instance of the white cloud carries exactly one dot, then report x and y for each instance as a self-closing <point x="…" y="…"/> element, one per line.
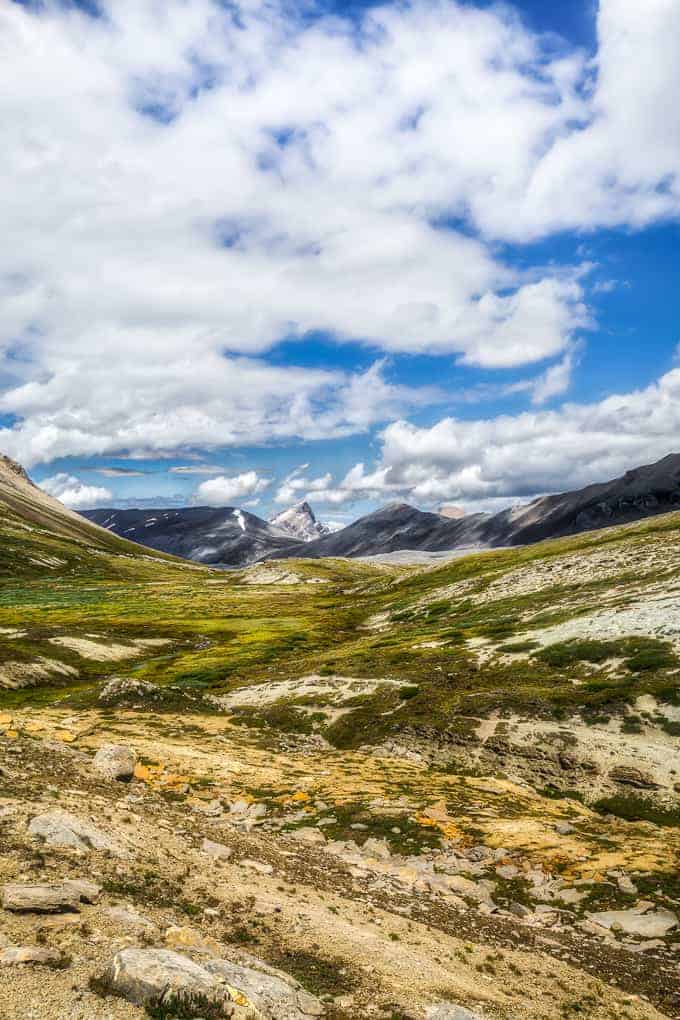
<point x="306" y="177"/>
<point x="225" y="490"/>
<point x="213" y="401"/>
<point x="194" y="469"/>
<point x="74" y="493"/>
<point x="493" y="462"/>
<point x="556" y="379"/>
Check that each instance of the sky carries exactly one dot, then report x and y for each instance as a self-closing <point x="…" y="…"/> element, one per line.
<point x="258" y="252"/>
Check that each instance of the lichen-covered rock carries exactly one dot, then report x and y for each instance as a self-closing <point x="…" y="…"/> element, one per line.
<point x="115" y="761"/>
<point x="156" y="976"/>
<point x="62" y="829"/>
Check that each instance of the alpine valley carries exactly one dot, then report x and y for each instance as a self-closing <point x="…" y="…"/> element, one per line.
<point x="341" y="787"/>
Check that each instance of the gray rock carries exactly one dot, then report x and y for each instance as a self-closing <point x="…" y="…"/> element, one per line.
<point x="62" y="829"/>
<point x="124" y="691"/>
<point x="274" y="994"/>
<point x="115" y="761"/>
<point x="308" y="834"/>
<point x="648" y="926"/>
<point x="48" y="897"/>
<point x="30" y="954"/>
<point x="216" y="850"/>
<point x="449" y="1011"/>
<point x="154" y="976"/>
<point x="564" y="828"/>
<point x="89" y="892"/>
<point x="377" y="848"/>
<point x="128" y="918"/>
<point x="507" y="871"/>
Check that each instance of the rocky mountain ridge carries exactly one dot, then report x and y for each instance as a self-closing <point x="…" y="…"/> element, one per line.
<point x="300" y="522"/>
<point x="641" y="492"/>
<point x="224" y="536"/>
<point x="234" y="538"/>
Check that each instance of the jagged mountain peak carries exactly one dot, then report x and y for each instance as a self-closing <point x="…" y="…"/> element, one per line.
<point x="299" y="521"/>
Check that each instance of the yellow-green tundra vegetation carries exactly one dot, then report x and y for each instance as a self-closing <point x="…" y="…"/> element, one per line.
<point x="430" y="789"/>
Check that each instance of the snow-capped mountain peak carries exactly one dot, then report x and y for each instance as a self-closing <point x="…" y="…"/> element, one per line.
<point x="300" y="522"/>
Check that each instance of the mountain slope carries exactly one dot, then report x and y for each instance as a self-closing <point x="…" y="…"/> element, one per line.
<point x="641" y="492"/>
<point x="39" y="533"/>
<point x="300" y="522"/>
<point x="225" y="536"/>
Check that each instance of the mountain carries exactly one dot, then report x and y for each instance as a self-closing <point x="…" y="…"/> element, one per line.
<point x="225" y="536"/>
<point x="39" y="534"/>
<point x="300" y="522"/>
<point x="641" y="492"/>
<point x="394" y="527"/>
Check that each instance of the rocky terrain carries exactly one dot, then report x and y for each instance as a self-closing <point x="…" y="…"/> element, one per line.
<point x="337" y="788"/>
<point x="300" y="522"/>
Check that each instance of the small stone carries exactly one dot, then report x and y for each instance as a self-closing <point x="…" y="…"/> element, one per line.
<point x="115" y="761"/>
<point x="216" y="850"/>
<point x="259" y="866"/>
<point x="62" y="829"/>
<point x="44" y="898"/>
<point x="564" y="828"/>
<point x="30" y="954"/>
<point x="126" y="917"/>
<point x="89" y="892"/>
<point x="308" y="834"/>
<point x="507" y="871"/>
<point x="449" y="1011"/>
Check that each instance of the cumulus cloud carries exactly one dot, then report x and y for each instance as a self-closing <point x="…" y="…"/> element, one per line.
<point x="493" y="462"/>
<point x="74" y="493"/>
<point x="211" y="401"/>
<point x="225" y="490"/>
<point x="184" y="185"/>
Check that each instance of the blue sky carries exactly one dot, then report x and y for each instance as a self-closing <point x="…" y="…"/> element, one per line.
<point x="348" y="252"/>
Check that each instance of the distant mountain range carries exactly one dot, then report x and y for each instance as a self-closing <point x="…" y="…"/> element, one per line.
<point x="234" y="538"/>
<point x="224" y="537"/>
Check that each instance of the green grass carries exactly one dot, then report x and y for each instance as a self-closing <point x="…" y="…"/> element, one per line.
<point x="224" y="635"/>
<point x="638" y="809"/>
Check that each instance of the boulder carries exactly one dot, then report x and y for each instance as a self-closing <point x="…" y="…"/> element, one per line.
<point x="274" y="994"/>
<point x="30" y="954"/>
<point x="115" y="761"/>
<point x="49" y="897"/>
<point x="648" y="926"/>
<point x="152" y="977"/>
<point x="124" y="691"/>
<point x="629" y="775"/>
<point x="62" y="829"/>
